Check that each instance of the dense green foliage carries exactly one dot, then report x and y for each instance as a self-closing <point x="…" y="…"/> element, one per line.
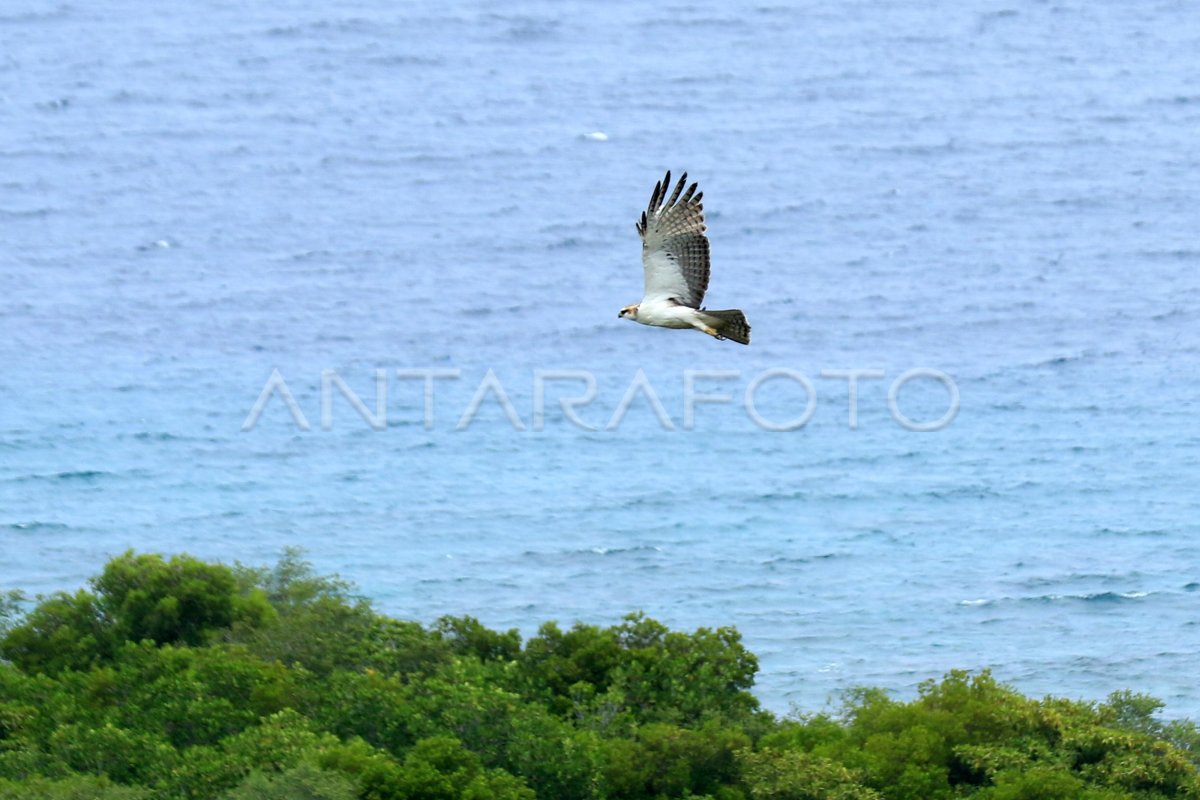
<point x="176" y="678"/>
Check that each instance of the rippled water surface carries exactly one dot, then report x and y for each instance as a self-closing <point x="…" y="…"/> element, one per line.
<point x="193" y="195"/>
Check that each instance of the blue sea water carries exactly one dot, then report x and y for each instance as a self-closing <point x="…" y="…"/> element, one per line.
<point x="196" y="194"/>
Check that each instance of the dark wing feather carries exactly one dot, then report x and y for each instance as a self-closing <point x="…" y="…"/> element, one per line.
<point x="675" y="253"/>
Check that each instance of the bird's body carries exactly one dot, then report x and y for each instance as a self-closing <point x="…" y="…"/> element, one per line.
<point x="665" y="314"/>
<point x="675" y="262"/>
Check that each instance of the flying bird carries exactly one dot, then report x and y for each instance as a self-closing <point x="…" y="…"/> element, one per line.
<point x="675" y="262"/>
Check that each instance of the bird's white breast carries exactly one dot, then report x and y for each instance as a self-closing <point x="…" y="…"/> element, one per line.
<point x="663" y="313"/>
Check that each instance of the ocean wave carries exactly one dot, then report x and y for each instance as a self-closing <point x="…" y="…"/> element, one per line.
<point x="782" y="561"/>
<point x="62" y="11"/>
<point x="27" y="213"/>
<point x="1095" y="597"/>
<point x="162" y="436"/>
<point x="1038" y="581"/>
<point x="592" y="552"/>
<point x="70" y="475"/>
<point x="616" y="551"/>
<point x="971" y="492"/>
<point x="37" y="525"/>
<point x="1110" y="531"/>
<point x="1177" y="254"/>
<point x="1088" y="597"/>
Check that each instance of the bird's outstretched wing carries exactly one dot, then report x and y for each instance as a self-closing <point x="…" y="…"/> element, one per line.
<point x="674" y="247"/>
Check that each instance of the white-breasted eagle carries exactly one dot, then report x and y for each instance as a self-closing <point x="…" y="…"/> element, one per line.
<point x="676" y="266"/>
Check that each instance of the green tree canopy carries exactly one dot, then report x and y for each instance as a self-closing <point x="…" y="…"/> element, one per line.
<point x="176" y="678"/>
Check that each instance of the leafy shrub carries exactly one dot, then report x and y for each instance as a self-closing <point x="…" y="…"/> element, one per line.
<point x="302" y="781"/>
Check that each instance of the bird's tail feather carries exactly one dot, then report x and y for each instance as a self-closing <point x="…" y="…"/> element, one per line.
<point x="729" y="324"/>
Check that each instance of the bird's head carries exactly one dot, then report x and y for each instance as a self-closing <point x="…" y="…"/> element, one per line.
<point x="629" y="312"/>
